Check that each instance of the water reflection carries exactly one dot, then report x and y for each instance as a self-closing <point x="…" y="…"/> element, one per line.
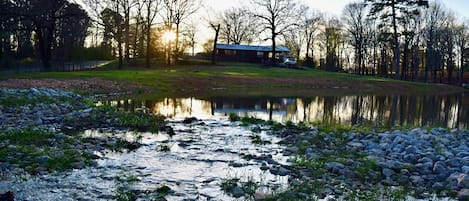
<point x="447" y="111"/>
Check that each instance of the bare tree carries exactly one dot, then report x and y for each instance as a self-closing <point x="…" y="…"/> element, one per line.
<point x="435" y="17"/>
<point x="311" y="21"/>
<point x="126" y="7"/>
<point x="462" y="41"/>
<point x="238" y="26"/>
<point x="357" y="26"/>
<point x="393" y="9"/>
<point x="216" y="28"/>
<point x="189" y="35"/>
<point x="151" y="7"/>
<point x="276" y="17"/>
<point x="333" y="42"/>
<point x="176" y="12"/>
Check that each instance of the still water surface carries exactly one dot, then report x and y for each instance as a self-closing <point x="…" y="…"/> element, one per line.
<point x="450" y="111"/>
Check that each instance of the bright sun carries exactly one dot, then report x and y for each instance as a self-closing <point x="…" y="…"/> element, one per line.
<point x="169" y="36"/>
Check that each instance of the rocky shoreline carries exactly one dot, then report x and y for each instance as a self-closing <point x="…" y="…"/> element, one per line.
<point x="421" y="163"/>
<point x="40" y="131"/>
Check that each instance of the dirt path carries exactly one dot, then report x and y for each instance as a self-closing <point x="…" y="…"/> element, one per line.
<point x="91" y="85"/>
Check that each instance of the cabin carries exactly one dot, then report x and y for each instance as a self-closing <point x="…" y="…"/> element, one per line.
<point x="248" y="53"/>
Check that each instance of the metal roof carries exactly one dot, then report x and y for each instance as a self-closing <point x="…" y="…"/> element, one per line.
<point x="252" y="48"/>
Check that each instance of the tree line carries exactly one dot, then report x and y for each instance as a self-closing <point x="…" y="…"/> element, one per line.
<point x="405" y="39"/>
<point x="416" y="40"/>
<point x="52" y="30"/>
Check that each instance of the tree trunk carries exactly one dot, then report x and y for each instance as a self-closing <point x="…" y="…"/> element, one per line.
<point x="147" y="57"/>
<point x="274" y="51"/>
<point x="177" y="43"/>
<point x="461" y="74"/>
<point x="396" y="42"/>
<point x="127" y="33"/>
<point x="214" y="52"/>
<point x="45" y="46"/>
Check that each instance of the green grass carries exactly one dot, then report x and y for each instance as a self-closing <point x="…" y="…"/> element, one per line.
<point x="199" y="78"/>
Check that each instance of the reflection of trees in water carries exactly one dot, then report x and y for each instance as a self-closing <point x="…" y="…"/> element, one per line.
<point x="447" y="111"/>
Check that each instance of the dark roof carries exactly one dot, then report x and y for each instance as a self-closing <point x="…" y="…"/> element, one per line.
<point x="252" y="48"/>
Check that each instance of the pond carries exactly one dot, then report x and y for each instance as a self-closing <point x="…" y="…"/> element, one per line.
<point x="451" y="111"/>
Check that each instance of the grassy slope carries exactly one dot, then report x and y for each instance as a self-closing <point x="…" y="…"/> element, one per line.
<point x="248" y="79"/>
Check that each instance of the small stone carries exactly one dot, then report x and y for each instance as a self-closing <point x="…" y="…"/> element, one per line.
<point x="411" y="149"/>
<point x="79" y="165"/>
<point x="465" y="169"/>
<point x="440" y="168"/>
<point x="4" y="165"/>
<point x="43" y="159"/>
<point x="237" y="192"/>
<point x="463" y="181"/>
<point x="388" y="173"/>
<point x="60" y="136"/>
<point x="453" y="162"/>
<point x="38" y="122"/>
<point x="256" y="129"/>
<point x="425" y="160"/>
<point x="334" y="167"/>
<point x="410" y="158"/>
<point x="189" y="120"/>
<point x="356" y="145"/>
<point x="453" y="181"/>
<point x="234" y="164"/>
<point x="438" y="186"/>
<point x="283" y="171"/>
<point x="425" y="168"/>
<point x="259" y="196"/>
<point x="463" y="195"/>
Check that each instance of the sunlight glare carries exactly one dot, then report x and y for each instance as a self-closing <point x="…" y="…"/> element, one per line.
<point x="169" y="36"/>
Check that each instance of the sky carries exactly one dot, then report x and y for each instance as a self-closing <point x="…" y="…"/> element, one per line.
<point x="335" y="7"/>
<point x="330" y="7"/>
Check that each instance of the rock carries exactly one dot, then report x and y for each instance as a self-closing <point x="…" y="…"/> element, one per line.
<point x="79" y="165"/>
<point x="356" y="145"/>
<point x="463" y="181"/>
<point x="463" y="195"/>
<point x="438" y="186"/>
<point x="416" y="180"/>
<point x="234" y="164"/>
<point x="411" y="149"/>
<point x="388" y="173"/>
<point x="60" y="136"/>
<point x="410" y="158"/>
<point x="440" y="168"/>
<point x="189" y="120"/>
<point x="424" y="168"/>
<point x="453" y="181"/>
<point x="453" y="162"/>
<point x="4" y="165"/>
<point x="38" y="122"/>
<point x="259" y="196"/>
<point x="43" y="159"/>
<point x="334" y="167"/>
<point x="425" y="160"/>
<point x="237" y="192"/>
<point x="283" y="171"/>
<point x="465" y="169"/>
<point x="256" y="129"/>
